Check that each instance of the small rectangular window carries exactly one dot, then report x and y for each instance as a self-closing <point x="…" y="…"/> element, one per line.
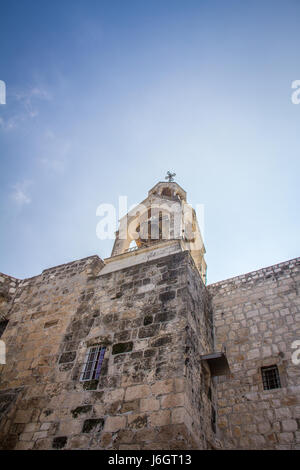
<point x="3" y="325"/>
<point x="92" y="364"/>
<point x="270" y="377"/>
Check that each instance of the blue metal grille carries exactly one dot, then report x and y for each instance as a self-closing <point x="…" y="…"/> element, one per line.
<point x="93" y="362"/>
<point x="100" y="360"/>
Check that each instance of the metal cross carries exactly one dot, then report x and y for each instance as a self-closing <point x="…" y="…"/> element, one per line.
<point x="170" y="176"/>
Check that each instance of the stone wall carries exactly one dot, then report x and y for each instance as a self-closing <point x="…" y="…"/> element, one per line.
<point x="257" y="317"/>
<point x="8" y="288"/>
<point x="201" y="396"/>
<point x="153" y="318"/>
<point x="40" y="312"/>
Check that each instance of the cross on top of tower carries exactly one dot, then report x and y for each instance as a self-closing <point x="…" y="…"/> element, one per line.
<point x="170" y="176"/>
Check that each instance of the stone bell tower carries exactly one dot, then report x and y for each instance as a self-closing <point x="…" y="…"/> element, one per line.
<point x="163" y="220"/>
<point x="116" y="353"/>
<point x="157" y="277"/>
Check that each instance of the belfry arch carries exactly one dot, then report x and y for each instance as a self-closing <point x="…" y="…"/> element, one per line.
<point x="164" y="216"/>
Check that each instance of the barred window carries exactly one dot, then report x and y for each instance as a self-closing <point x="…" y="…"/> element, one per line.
<point x="92" y="364"/>
<point x="270" y="377"/>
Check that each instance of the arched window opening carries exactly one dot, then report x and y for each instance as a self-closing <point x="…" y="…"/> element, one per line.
<point x="166" y="192"/>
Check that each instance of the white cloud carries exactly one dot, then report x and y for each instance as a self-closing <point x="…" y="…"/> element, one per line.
<point x="10" y="123"/>
<point x="29" y="100"/>
<point x="28" y="96"/>
<point x="23" y="105"/>
<point x="20" y="193"/>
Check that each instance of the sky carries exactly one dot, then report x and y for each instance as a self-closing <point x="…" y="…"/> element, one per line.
<point x="104" y="97"/>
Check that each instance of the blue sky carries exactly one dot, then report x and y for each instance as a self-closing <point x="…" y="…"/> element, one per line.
<point x="103" y="97"/>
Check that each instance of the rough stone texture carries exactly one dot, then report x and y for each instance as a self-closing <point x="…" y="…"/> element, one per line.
<point x="257" y="317"/>
<point x="155" y="318"/>
<point x="151" y="382"/>
<point x="8" y="288"/>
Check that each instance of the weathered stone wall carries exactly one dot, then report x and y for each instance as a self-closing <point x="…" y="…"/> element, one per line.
<point x="156" y="319"/>
<point x="39" y="314"/>
<point x="201" y="396"/>
<point x="257" y="317"/>
<point x="8" y="288"/>
<point x="152" y="317"/>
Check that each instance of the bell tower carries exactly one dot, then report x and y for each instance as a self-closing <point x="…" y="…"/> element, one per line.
<point x="163" y="220"/>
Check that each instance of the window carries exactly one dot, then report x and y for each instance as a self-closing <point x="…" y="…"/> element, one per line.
<point x="270" y="377"/>
<point x="166" y="192"/>
<point x="92" y="364"/>
<point x="3" y="325"/>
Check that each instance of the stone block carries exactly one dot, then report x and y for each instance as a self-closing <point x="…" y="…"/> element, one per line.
<point x="129" y="406"/>
<point x="93" y="425"/>
<point x="149" y="404"/>
<point x="178" y="415"/>
<point x="286" y="437"/>
<point x="114" y="423"/>
<point x="172" y="400"/>
<point x="160" y="418"/>
<point x="137" y="391"/>
<point x="179" y="384"/>
<point x="264" y="428"/>
<point x="137" y="421"/>
<point x="79" y="442"/>
<point x="59" y="442"/>
<point x="120" y="348"/>
<point x="112" y="395"/>
<point x="23" y="416"/>
<point x="162" y="387"/>
<point x="283" y="413"/>
<point x="148" y="331"/>
<point x="40" y="435"/>
<point x="289" y="425"/>
<point x="26" y="436"/>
